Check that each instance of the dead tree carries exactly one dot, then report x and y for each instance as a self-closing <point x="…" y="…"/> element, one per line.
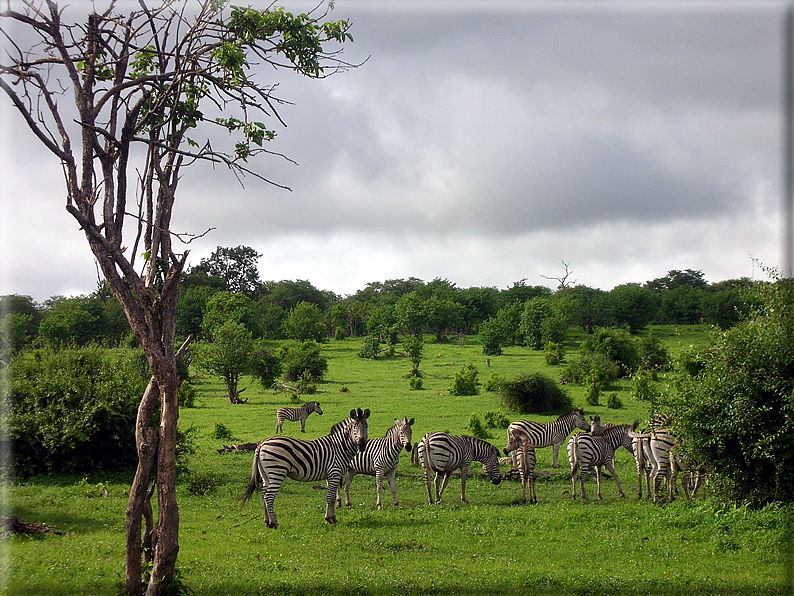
<point x="113" y="94"/>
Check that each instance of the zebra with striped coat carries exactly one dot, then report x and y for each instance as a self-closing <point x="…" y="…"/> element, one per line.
<point x="552" y="433"/>
<point x="326" y="458"/>
<point x="441" y="454"/>
<point x="524" y="460"/>
<point x="586" y="451"/>
<point x="380" y="459"/>
<point x="293" y="414"/>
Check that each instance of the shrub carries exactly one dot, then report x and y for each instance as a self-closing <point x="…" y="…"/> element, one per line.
<point x="306" y="385"/>
<point x="187" y="395"/>
<point x="340" y="333"/>
<point x="465" y="382"/>
<point x="614" y="402"/>
<point x="415" y="383"/>
<point x="533" y="393"/>
<point x="220" y="432"/>
<point x="736" y="414"/>
<point x="554" y="353"/>
<point x="491" y="338"/>
<point x="414" y="347"/>
<point x="476" y="428"/>
<point x="304" y="322"/>
<point x="74" y="411"/>
<point x="199" y="485"/>
<point x="579" y="372"/>
<point x="265" y="365"/>
<point x="496" y="419"/>
<point x="370" y="347"/>
<point x="642" y="386"/>
<point x="305" y="357"/>
<point x="617" y="345"/>
<point x="492" y="384"/>
<point x="652" y="354"/>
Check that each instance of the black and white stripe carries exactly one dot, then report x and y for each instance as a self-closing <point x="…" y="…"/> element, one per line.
<point x="552" y="433"/>
<point x="293" y="414"/>
<point x="586" y="451"/>
<point x="380" y="459"/>
<point x="524" y="460"/>
<point x="442" y="453"/>
<point x="326" y="458"/>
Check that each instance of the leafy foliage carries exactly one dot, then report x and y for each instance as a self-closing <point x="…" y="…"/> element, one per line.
<point x="265" y="365"/>
<point x="465" y="382"/>
<point x="477" y="429"/>
<point x="228" y="355"/>
<point x="305" y="322"/>
<point x="303" y="358"/>
<point x="533" y="393"/>
<point x="74" y="410"/>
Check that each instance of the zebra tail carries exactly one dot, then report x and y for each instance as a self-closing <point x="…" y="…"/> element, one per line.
<point x="575" y="454"/>
<point x="253" y="483"/>
<point x="428" y="464"/>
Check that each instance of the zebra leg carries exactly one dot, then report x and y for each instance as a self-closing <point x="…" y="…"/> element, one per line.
<point x="583" y="472"/>
<point x="279" y="424"/>
<point x="272" y="484"/>
<point x="598" y="481"/>
<point x="379" y="487"/>
<point x="390" y="476"/>
<point x="447" y="476"/>
<point x="429" y="484"/>
<point x="303" y="425"/>
<point x="348" y="480"/>
<point x="531" y="477"/>
<point x="464" y="471"/>
<point x="555" y="452"/>
<point x="611" y="467"/>
<point x="330" y="498"/>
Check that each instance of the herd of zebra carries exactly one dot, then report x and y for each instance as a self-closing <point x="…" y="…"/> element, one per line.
<point x="346" y="452"/>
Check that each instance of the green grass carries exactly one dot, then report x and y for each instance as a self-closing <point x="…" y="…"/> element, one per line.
<point x="492" y="545"/>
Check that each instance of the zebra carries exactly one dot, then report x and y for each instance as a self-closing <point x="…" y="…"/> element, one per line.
<point x="442" y="453"/>
<point x="586" y="450"/>
<point x="293" y="414"/>
<point x="550" y="433"/>
<point x="524" y="460"/>
<point x="380" y="459"/>
<point x="326" y="458"/>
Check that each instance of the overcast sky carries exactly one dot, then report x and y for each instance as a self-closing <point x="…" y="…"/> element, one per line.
<point x="483" y="143"/>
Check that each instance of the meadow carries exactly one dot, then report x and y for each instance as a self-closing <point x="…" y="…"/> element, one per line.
<point x="493" y="545"/>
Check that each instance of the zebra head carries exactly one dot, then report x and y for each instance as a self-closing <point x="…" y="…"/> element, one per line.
<point x="579" y="420"/>
<point x="491" y="464"/>
<point x="596" y="428"/>
<point x="358" y="429"/>
<point x="314" y="406"/>
<point x="404" y="429"/>
<point x="514" y="441"/>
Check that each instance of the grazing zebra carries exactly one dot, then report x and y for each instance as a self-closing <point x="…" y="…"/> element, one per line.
<point x="550" y="433"/>
<point x="586" y="451"/>
<point x="442" y="453"/>
<point x="525" y="462"/>
<point x="380" y="459"/>
<point x="693" y="473"/>
<point x="293" y="414"/>
<point x="326" y="458"/>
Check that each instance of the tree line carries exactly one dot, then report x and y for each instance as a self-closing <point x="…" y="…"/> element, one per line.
<point x="226" y="286"/>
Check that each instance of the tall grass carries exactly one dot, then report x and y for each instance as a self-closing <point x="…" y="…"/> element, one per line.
<point x="493" y="545"/>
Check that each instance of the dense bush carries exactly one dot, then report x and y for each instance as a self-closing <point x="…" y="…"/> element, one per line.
<point x="370" y="347"/>
<point x="74" y="411"/>
<point x="617" y="345"/>
<point x="554" y="353"/>
<point x="737" y="413"/>
<point x="581" y="370"/>
<point x="476" y="428"/>
<point x="496" y="419"/>
<point x="465" y="382"/>
<point x="651" y="353"/>
<point x="298" y="359"/>
<point x="265" y="365"/>
<point x="533" y="393"/>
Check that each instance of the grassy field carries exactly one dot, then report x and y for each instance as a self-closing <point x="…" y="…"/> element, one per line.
<point x="493" y="545"/>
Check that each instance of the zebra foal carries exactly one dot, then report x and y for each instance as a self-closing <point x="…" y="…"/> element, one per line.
<point x="293" y="414"/>
<point x="326" y="458"/>
<point x="586" y="451"/>
<point x="553" y="433"/>
<point x="380" y="459"/>
<point x="442" y="453"/>
<point x="525" y="462"/>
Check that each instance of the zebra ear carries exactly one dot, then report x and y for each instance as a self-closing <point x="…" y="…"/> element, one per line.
<point x="366" y="413"/>
<point x="411" y="422"/>
<point x="353" y="413"/>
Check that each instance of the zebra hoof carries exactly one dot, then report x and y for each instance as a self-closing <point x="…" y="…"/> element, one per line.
<point x="349" y="505"/>
<point x="331" y="520"/>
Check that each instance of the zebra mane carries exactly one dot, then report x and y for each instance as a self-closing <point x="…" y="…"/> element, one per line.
<point x="341" y="426"/>
<point x="311" y="403"/>
<point x="571" y="413"/>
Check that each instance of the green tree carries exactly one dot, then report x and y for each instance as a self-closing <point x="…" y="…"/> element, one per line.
<point x="237" y="267"/>
<point x="410" y="313"/>
<point x="148" y="84"/>
<point x="414" y="347"/>
<point x="13" y="334"/>
<point x="632" y="305"/>
<point x="228" y="355"/>
<point x="303" y="322"/>
<point x="302" y="360"/>
<point x="541" y="323"/>
<point x="265" y="365"/>
<point x="72" y="322"/>
<point x="734" y="411"/>
<point x="465" y="382"/>
<point x="223" y="307"/>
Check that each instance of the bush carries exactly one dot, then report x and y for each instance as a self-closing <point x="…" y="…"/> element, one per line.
<point x="465" y="382"/>
<point x="491" y="338"/>
<point x="533" y="393"/>
<point x="496" y="420"/>
<point x="614" y="402"/>
<point x="340" y="333"/>
<point x="736" y="414"/>
<point x="493" y="382"/>
<point x="554" y="353"/>
<point x="617" y="345"/>
<point x="221" y="433"/>
<point x="415" y="383"/>
<point x="265" y="365"/>
<point x="580" y="372"/>
<point x="476" y="428"/>
<point x="370" y="347"/>
<point x="642" y="386"/>
<point x="306" y="385"/>
<point x="187" y="395"/>
<point x="652" y="354"/>
<point x="74" y="411"/>
<point x="305" y="357"/>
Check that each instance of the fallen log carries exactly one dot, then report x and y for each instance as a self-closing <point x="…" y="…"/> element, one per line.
<point x="238" y="447"/>
<point x="14" y="525"/>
